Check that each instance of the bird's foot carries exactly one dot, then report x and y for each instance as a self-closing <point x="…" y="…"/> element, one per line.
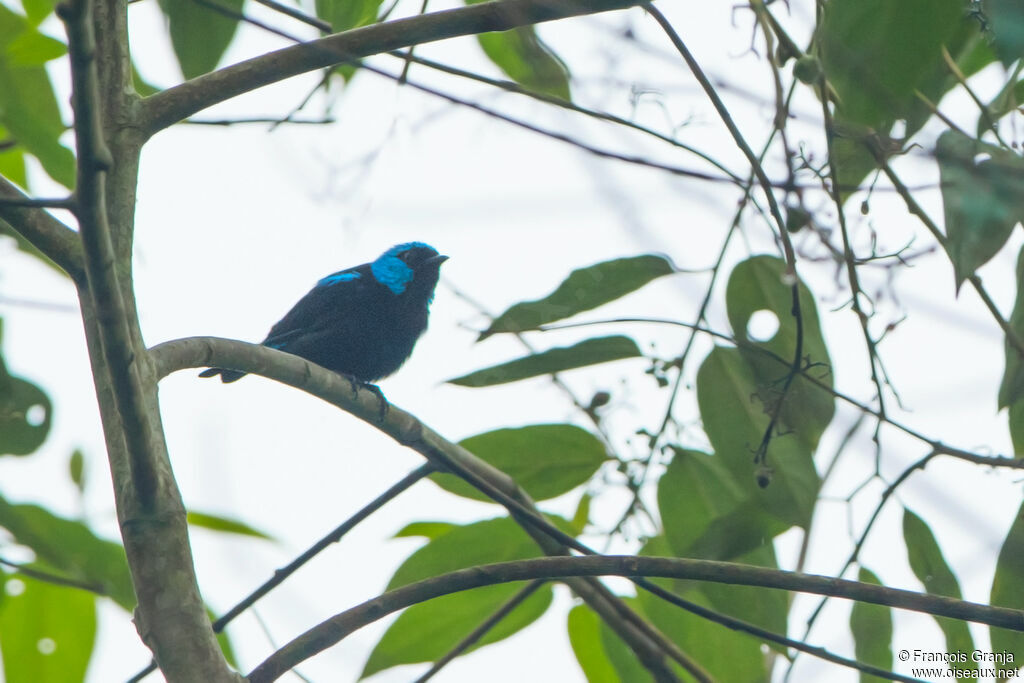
<point x="357" y="384"/>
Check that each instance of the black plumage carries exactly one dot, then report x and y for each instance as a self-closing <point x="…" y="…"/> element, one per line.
<point x="362" y="322"/>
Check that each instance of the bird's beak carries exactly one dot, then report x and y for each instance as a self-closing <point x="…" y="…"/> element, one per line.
<point x="438" y="260"/>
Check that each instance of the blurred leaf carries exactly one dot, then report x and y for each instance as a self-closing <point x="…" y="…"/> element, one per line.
<point x="1007" y="21"/>
<point x="871" y="626"/>
<point x="224" y="642"/>
<point x="876" y="52"/>
<point x="23" y="244"/>
<point x="345" y="14"/>
<point x="76" y="469"/>
<point x="25" y="415"/>
<point x="980" y="186"/>
<point x="48" y="631"/>
<point x="32" y="48"/>
<point x="1008" y="588"/>
<point x="524" y="58"/>
<point x="430" y="530"/>
<point x="582" y="354"/>
<point x="1011" y="390"/>
<point x="426" y="631"/>
<point x="581" y="517"/>
<point x="706" y="513"/>
<point x="72" y="548"/>
<point x="933" y="572"/>
<point x="1017" y="427"/>
<point x="12" y="164"/>
<point x="546" y="460"/>
<point x="200" y="35"/>
<point x="37" y="10"/>
<point x="1005" y="102"/>
<point x="768" y="609"/>
<point x="224" y="524"/>
<point x="585" y="637"/>
<point x="28" y="107"/>
<point x="584" y="289"/>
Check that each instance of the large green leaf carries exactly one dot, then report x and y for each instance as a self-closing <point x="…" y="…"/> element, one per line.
<point x="28" y="107"/>
<point x="584" y="627"/>
<point x="47" y="631"/>
<point x="582" y="354"/>
<point x="876" y="53"/>
<point x="426" y="631"/>
<point x="738" y="389"/>
<point x="871" y="626"/>
<point x="1005" y="102"/>
<point x="1007" y="21"/>
<point x="584" y="289"/>
<point x="933" y="572"/>
<point x="546" y="460"/>
<point x="706" y="513"/>
<point x="70" y="547"/>
<point x="1008" y="588"/>
<point x="200" y="35"/>
<point x="981" y="197"/>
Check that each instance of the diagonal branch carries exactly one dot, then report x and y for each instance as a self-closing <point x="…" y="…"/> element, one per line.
<point x="175" y="104"/>
<point x="53" y="239"/>
<point x="333" y="630"/>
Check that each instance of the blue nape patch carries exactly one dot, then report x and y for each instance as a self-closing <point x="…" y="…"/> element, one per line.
<point x="338" y="277"/>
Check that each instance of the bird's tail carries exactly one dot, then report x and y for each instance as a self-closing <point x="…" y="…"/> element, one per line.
<point x="226" y="376"/>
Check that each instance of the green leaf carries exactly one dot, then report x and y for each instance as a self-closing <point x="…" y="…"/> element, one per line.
<point x="426" y="631"/>
<point x="72" y="548"/>
<point x="142" y="87"/>
<point x="584" y="289"/>
<point x="582" y="354"/>
<point x="738" y="389"/>
<point x="581" y="518"/>
<point x="877" y="52"/>
<point x="871" y="626"/>
<point x="37" y="10"/>
<point x="25" y="415"/>
<point x="32" y="48"/>
<point x="1017" y="427"/>
<point x="980" y="186"/>
<point x="12" y="167"/>
<point x="725" y="654"/>
<point x="622" y="658"/>
<point x="1011" y="389"/>
<point x="1007" y="21"/>
<point x="429" y="530"/>
<point x="933" y="572"/>
<point x="587" y="643"/>
<point x="76" y="469"/>
<point x="345" y="14"/>
<point x="524" y="58"/>
<point x="28" y="107"/>
<point x="706" y="513"/>
<point x="1008" y="588"/>
<point x="48" y="631"/>
<point x="546" y="460"/>
<point x="224" y="524"/>
<point x="200" y="35"/>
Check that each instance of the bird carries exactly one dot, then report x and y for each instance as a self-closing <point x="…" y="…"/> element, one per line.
<point x="362" y="322"/>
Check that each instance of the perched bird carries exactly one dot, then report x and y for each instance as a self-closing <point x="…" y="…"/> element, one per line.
<point x="362" y="322"/>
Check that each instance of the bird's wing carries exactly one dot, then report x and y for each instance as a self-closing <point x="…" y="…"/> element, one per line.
<point x="327" y="301"/>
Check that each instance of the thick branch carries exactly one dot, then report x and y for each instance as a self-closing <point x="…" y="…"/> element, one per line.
<point x="333" y="630"/>
<point x="53" y="239"/>
<point x="175" y="104"/>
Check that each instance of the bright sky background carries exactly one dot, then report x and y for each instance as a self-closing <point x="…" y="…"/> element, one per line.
<point x="235" y="224"/>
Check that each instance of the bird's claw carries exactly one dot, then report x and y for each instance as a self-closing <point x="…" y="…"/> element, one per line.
<point x="357" y="384"/>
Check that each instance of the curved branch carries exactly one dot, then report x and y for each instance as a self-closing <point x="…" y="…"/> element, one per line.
<point x="174" y="104"/>
<point x="650" y="646"/>
<point x="334" y="629"/>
